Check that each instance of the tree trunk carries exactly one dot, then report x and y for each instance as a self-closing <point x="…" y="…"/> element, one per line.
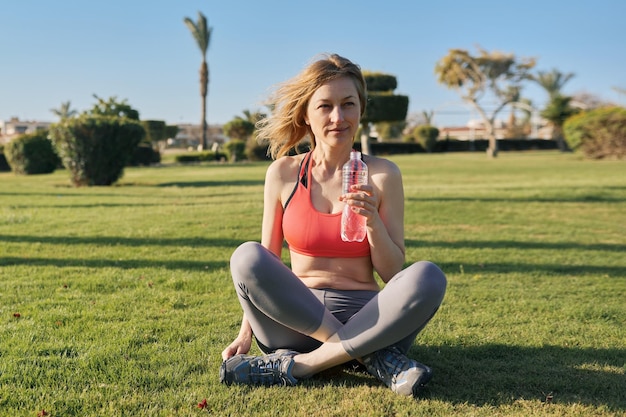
<point x="557" y="134"/>
<point x="492" y="150"/>
<point x="204" y="144"/>
<point x="204" y="82"/>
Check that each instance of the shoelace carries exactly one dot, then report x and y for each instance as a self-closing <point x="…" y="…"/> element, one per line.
<point x="266" y="370"/>
<point x="394" y="364"/>
<point x="388" y="364"/>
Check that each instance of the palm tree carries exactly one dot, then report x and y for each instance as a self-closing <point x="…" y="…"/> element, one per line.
<point x="552" y="81"/>
<point x="64" y="111"/>
<point x="556" y="112"/>
<point x="428" y="116"/>
<point x="559" y="107"/>
<point x="202" y="34"/>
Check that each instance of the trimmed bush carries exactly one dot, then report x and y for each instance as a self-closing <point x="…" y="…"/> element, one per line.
<point x="598" y="133"/>
<point x="256" y="151"/>
<point x="155" y="131"/>
<point x="144" y="155"/>
<point x="95" y="149"/>
<point x="32" y="153"/>
<point x="426" y="135"/>
<point x="195" y="157"/>
<point x="236" y="150"/>
<point x="4" y="164"/>
<point x="385" y="107"/>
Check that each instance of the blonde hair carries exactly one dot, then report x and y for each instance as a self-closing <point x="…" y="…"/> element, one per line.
<point x="285" y="128"/>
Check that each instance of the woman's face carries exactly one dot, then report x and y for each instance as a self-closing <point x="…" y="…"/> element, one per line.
<point x="334" y="111"/>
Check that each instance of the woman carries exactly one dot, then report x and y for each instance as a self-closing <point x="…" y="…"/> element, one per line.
<point x="328" y="308"/>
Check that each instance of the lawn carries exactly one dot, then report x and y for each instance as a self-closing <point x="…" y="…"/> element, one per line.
<point x="117" y="301"/>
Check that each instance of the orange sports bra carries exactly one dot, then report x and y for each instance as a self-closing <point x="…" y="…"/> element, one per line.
<point x="311" y="232"/>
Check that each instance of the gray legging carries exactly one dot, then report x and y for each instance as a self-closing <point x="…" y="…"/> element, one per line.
<point x="282" y="311"/>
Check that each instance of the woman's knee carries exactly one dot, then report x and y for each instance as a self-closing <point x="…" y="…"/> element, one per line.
<point x="246" y="258"/>
<point x="245" y="251"/>
<point x="429" y="278"/>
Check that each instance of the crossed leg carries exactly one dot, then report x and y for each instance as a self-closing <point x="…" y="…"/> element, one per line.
<point x="284" y="313"/>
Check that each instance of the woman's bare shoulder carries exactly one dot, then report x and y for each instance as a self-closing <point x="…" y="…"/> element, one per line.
<point x="381" y="165"/>
<point x="285" y="168"/>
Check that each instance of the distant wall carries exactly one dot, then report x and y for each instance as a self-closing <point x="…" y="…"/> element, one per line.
<point x="454" y="145"/>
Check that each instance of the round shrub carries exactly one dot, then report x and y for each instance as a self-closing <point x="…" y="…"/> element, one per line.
<point x="426" y="136"/>
<point x="598" y="133"/>
<point x="256" y="151"/>
<point x="144" y="155"/>
<point x="236" y="149"/>
<point x="95" y="149"/>
<point x="32" y="153"/>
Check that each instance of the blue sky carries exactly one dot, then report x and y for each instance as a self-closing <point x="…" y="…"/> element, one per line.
<point x="141" y="51"/>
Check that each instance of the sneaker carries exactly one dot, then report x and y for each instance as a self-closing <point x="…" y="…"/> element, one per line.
<point x="403" y="375"/>
<point x="272" y="369"/>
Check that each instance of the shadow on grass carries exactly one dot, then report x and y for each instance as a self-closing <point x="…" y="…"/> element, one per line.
<point x="61" y="196"/>
<point x="199" y="242"/>
<point x="232" y="183"/>
<point x="512" y="244"/>
<point x="598" y="197"/>
<point x="535" y="269"/>
<point x="195" y="242"/>
<point x="494" y="375"/>
<point x="113" y="263"/>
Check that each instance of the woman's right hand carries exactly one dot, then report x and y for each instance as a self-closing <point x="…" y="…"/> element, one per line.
<point x="241" y="345"/>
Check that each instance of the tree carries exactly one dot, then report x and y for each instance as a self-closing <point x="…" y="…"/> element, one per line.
<point x="382" y="104"/>
<point x="589" y="101"/>
<point x="426" y="135"/>
<point x="201" y="32"/>
<point x="428" y="116"/>
<point x="552" y="81"/>
<point x="96" y="148"/>
<point x="243" y="127"/>
<point x="253" y="117"/>
<point x="64" y="111"/>
<point x="112" y="107"/>
<point x="425" y="117"/>
<point x="559" y="106"/>
<point x="239" y="128"/>
<point x="155" y="131"/>
<point x="556" y="112"/>
<point x="487" y="75"/>
<point x="388" y="131"/>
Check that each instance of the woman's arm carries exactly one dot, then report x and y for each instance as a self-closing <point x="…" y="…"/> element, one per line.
<point x="386" y="231"/>
<point x="243" y="342"/>
<point x="272" y="226"/>
<point x="382" y="203"/>
<point x="271" y="238"/>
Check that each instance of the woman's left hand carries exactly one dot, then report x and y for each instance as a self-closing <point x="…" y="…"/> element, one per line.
<point x="362" y="200"/>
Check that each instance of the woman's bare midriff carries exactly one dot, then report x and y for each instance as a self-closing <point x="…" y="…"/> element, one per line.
<point x="335" y="273"/>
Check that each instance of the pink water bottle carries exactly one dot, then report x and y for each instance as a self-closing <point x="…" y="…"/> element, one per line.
<point x="353" y="228"/>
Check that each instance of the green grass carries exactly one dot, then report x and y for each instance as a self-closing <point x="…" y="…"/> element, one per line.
<point x="117" y="301"/>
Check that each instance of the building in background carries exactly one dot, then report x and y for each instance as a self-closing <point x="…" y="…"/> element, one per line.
<point x="9" y="129"/>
